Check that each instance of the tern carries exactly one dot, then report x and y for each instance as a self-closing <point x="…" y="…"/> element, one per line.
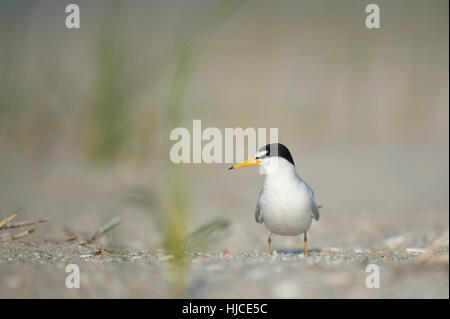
<point x="286" y="204"/>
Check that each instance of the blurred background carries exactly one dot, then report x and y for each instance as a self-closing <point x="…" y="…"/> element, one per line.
<point x="85" y="115"/>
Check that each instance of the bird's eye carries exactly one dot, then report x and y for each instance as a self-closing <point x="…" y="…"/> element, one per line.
<point x="261" y="156"/>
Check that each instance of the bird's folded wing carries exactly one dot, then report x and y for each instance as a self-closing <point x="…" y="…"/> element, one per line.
<point x="314" y="208"/>
<point x="258" y="213"/>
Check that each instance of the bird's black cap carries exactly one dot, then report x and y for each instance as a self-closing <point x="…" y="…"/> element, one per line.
<point x="278" y="149"/>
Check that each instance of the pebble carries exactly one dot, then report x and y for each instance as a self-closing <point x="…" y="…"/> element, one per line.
<point x="415" y="250"/>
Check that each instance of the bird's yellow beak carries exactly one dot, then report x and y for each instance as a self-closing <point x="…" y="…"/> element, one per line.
<point x="248" y="162"/>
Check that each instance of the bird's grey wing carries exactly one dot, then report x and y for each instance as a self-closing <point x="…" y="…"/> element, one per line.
<point x="315" y="211"/>
<point x="258" y="213"/>
<point x="313" y="204"/>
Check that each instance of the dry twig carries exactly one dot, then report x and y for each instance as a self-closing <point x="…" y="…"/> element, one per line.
<point x="19" y="235"/>
<point x="5" y="221"/>
<point x="25" y="223"/>
<point x="103" y="230"/>
<point x="5" y="224"/>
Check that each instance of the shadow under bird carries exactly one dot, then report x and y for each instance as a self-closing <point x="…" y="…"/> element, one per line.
<point x="286" y="204"/>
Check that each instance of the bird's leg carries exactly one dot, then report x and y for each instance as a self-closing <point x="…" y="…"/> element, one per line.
<point x="269" y="241"/>
<point x="305" y="239"/>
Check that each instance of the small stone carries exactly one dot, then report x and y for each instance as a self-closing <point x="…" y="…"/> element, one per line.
<point x="415" y="250"/>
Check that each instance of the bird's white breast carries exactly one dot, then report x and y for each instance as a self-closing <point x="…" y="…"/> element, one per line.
<point x="285" y="204"/>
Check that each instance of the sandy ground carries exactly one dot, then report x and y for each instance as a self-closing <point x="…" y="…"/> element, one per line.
<point x="381" y="206"/>
<point x="38" y="270"/>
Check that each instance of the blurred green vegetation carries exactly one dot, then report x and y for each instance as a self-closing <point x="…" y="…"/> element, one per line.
<point x="175" y="223"/>
<point x="102" y="90"/>
<point x="177" y="213"/>
<point x="109" y="123"/>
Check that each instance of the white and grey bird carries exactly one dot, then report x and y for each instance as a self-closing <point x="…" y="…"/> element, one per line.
<point x="286" y="204"/>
